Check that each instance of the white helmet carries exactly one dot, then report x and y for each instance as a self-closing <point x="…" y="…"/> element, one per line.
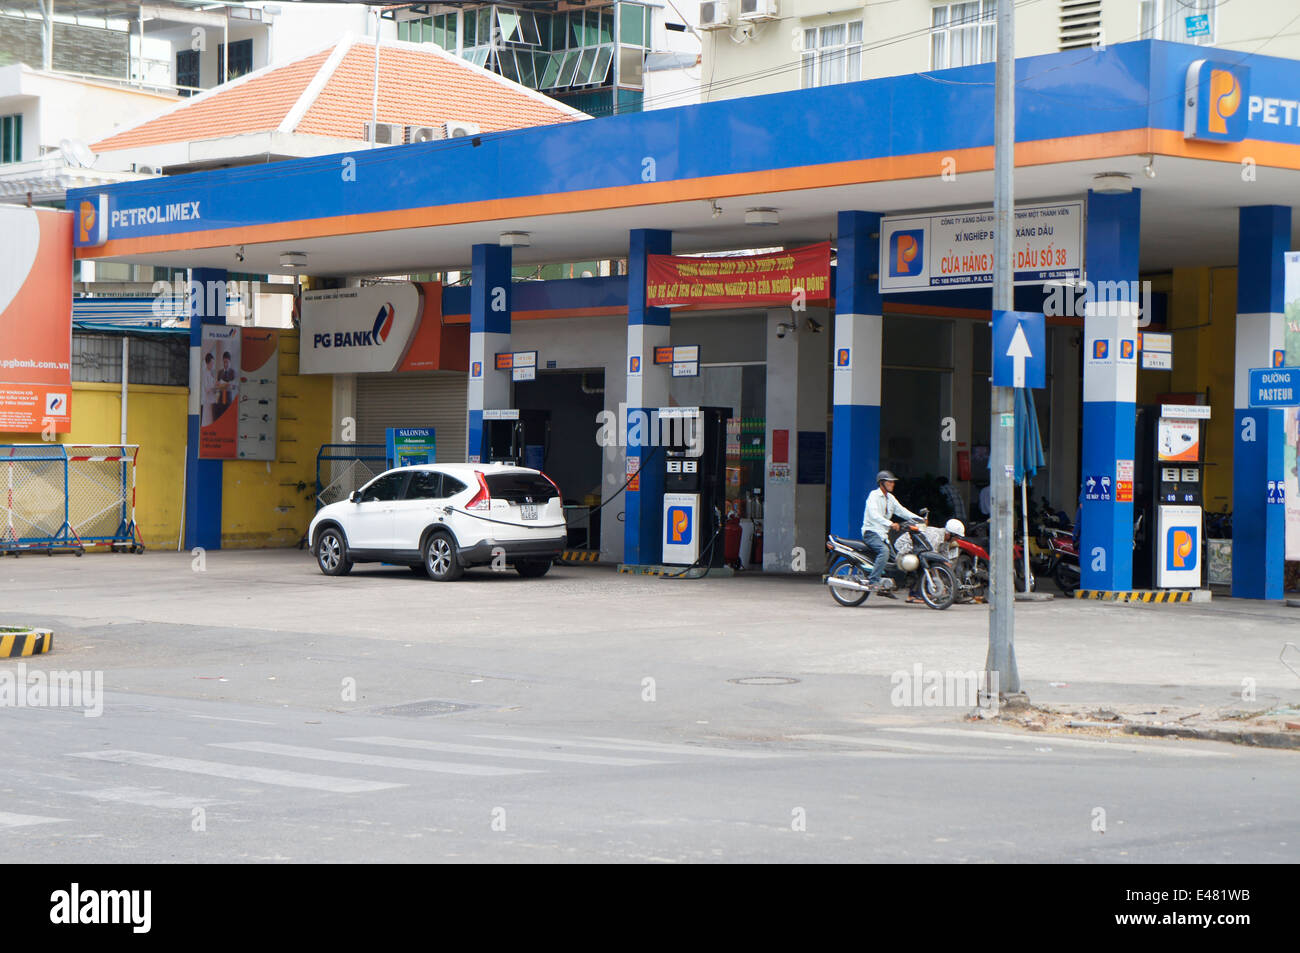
<point x="954" y="527"/>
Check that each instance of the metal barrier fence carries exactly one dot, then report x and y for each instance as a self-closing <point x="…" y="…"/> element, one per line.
<point x="348" y="467"/>
<point x="66" y="497"/>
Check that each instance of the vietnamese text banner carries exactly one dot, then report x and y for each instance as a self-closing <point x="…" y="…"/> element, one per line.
<point x="776" y="277"/>
<point x="955" y="249"/>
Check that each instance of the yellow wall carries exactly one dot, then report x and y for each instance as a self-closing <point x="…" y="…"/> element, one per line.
<point x="155" y="421"/>
<point x="261" y="502"/>
<point x="1203" y="322"/>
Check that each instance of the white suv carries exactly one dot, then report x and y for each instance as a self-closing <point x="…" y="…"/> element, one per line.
<point x="441" y="519"/>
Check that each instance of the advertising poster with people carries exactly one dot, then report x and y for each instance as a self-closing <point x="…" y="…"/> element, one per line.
<point x="219" y="386"/>
<point x="35" y="320"/>
<point x="1291" y="453"/>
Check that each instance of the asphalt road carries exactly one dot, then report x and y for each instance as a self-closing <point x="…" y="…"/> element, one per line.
<point x="256" y="711"/>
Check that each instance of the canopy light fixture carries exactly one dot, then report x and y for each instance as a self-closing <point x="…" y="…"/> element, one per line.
<point x="1112" y="183"/>
<point x="762" y="216"/>
<point x="1149" y="170"/>
<point x="293" y="259"/>
<point x="515" y="239"/>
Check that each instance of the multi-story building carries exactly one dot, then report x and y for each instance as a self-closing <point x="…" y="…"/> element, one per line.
<point x="600" y="57"/>
<point x="767" y="46"/>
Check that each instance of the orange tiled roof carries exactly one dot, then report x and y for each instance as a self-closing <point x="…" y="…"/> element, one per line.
<point x="418" y="85"/>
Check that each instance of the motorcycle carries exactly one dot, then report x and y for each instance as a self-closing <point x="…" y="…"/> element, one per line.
<point x="1065" y="563"/>
<point x="972" y="565"/>
<point x="852" y="564"/>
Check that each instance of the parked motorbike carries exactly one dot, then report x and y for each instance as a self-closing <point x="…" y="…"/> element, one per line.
<point x="972" y="565"/>
<point x="851" y="566"/>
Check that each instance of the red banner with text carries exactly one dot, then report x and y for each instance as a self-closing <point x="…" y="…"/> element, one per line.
<point x="779" y="277"/>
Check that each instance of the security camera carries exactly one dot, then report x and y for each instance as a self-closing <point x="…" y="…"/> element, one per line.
<point x="814" y="327"/>
<point x="783" y="329"/>
<point x="239" y="254"/>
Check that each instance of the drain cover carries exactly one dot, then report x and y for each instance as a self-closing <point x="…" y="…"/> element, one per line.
<point x="764" y="680"/>
<point x="423" y="709"/>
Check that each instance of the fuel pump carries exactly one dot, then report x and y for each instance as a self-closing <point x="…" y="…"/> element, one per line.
<point x="521" y="437"/>
<point x="695" y="459"/>
<point x="1171" y="497"/>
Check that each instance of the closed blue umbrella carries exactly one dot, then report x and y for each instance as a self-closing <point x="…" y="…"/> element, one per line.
<point x="1029" y="457"/>
<point x="1029" y="444"/>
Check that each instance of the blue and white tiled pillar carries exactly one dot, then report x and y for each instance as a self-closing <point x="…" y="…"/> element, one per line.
<point x="647" y="391"/>
<point x="855" y="422"/>
<point x="1258" y="511"/>
<point x="489" y="335"/>
<point x="1110" y="329"/>
<point x="203" y="478"/>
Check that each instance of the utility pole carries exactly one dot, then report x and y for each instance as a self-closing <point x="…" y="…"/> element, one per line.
<point x="1002" y="650"/>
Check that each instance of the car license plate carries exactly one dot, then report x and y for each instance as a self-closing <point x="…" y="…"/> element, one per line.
<point x="528" y="511"/>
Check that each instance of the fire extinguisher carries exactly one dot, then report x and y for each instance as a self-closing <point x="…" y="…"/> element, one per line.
<point x="731" y="540"/>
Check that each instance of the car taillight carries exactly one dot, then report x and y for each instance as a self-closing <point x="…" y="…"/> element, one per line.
<point x="552" y="483"/>
<point x="482" y="500"/>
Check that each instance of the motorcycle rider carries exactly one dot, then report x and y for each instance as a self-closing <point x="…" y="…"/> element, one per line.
<point x="878" y="519"/>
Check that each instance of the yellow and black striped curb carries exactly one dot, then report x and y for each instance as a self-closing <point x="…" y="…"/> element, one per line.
<point x="1136" y="595"/>
<point x="642" y="570"/>
<point x="579" y="556"/>
<point x="24" y="642"/>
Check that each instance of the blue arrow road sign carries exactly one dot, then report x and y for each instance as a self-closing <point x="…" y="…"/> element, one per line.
<point x="1274" y="386"/>
<point x="1019" y="349"/>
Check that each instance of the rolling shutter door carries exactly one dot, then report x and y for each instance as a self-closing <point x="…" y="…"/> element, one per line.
<point x="435" y="399"/>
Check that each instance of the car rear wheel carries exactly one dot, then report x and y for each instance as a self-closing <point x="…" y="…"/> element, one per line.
<point x="332" y="553"/>
<point x="532" y="568"/>
<point x="440" y="559"/>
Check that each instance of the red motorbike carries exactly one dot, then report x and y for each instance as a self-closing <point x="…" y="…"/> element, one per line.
<point x="972" y="568"/>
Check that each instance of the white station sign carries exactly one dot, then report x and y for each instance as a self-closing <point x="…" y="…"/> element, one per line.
<point x="955" y="249"/>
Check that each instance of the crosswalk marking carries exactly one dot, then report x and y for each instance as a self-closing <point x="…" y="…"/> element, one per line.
<point x="147" y="797"/>
<point x="875" y="741"/>
<point x="371" y="760"/>
<point x="640" y="747"/>
<point x="291" y="779"/>
<point x="26" y="820"/>
<point x="1045" y="740"/>
<point x="501" y="752"/>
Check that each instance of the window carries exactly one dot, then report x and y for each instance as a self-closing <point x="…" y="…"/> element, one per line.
<point x="832" y="54"/>
<point x="385" y="488"/>
<point x="451" y="486"/>
<point x="1179" y="21"/>
<point x="187" y="69"/>
<point x="520" y="487"/>
<point x="11" y="139"/>
<point x="241" y="60"/>
<point x="425" y="485"/>
<point x="963" y="34"/>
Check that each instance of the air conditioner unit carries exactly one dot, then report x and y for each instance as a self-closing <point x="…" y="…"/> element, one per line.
<point x="386" y="133"/>
<point x="459" y="130"/>
<point x="715" y="14"/>
<point x="425" y="133"/>
<point x="758" y="10"/>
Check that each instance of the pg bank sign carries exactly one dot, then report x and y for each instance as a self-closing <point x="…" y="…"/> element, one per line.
<point x="1218" y="106"/>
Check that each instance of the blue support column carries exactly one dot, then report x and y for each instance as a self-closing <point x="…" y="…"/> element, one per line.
<point x="1258" y="442"/>
<point x="1110" y="384"/>
<point x="647" y="391"/>
<point x="855" y="420"/>
<point x="489" y="334"/>
<point x="207" y="305"/>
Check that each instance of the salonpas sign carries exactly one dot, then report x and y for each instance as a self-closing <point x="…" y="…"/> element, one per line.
<point x="388" y="327"/>
<point x="955" y="249"/>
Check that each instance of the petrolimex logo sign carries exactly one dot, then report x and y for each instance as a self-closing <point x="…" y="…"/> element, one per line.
<point x="1216" y="103"/>
<point x="92" y="221"/>
<point x="906" y="253"/>
<point x="1181" y="551"/>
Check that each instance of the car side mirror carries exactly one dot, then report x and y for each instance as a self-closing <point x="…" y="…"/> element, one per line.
<point x="354" y="496"/>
